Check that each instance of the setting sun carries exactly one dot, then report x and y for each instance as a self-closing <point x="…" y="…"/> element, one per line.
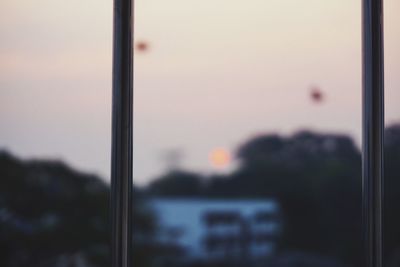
<point x="219" y="157"/>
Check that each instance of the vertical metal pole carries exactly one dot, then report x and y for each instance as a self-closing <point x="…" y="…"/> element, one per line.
<point x="373" y="127"/>
<point x="121" y="154"/>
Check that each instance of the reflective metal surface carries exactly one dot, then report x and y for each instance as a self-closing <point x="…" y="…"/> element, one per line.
<point x="373" y="125"/>
<point x="121" y="169"/>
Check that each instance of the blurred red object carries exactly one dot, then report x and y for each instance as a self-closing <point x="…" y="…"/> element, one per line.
<point x="316" y="95"/>
<point x="142" y="46"/>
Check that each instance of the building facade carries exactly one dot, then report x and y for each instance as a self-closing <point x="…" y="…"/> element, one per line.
<point x="206" y="230"/>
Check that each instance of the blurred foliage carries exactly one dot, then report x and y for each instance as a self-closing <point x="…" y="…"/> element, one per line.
<point x="50" y="213"/>
<point x="316" y="178"/>
<point x="392" y="196"/>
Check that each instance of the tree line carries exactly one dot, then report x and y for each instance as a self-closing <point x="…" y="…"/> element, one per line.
<point x="50" y="212"/>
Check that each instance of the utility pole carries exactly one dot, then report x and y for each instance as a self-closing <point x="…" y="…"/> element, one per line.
<point x="373" y="130"/>
<point x="122" y="126"/>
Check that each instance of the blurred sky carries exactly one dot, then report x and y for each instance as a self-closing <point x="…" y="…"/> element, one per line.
<point x="216" y="73"/>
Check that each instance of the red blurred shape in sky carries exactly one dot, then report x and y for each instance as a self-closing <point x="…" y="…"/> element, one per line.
<point x="142" y="46"/>
<point x="316" y="95"/>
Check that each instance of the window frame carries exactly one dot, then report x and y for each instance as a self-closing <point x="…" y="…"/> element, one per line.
<point x="122" y="127"/>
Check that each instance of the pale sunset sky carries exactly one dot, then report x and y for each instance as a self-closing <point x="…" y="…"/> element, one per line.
<point x="216" y="73"/>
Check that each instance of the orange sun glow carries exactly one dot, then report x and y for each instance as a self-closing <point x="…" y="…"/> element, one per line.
<point x="219" y="157"/>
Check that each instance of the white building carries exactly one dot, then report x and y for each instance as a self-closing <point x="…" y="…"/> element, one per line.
<point x="217" y="230"/>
